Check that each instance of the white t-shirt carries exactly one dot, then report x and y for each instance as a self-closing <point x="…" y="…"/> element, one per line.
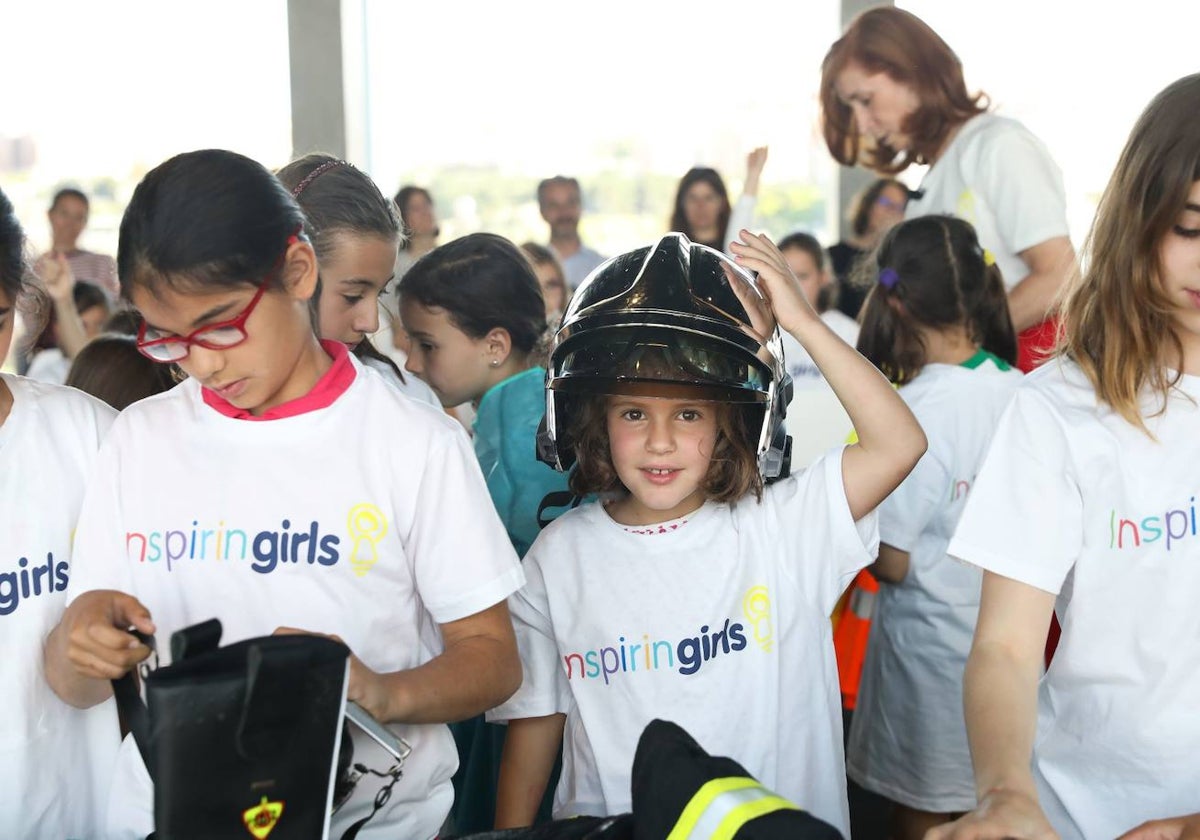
<point x="908" y="740"/>
<point x="55" y="760"/>
<point x="999" y="177"/>
<point x="720" y="624"/>
<point x="1074" y="500"/>
<point x="368" y="519"/>
<point x="815" y="419"/>
<point x="412" y="386"/>
<point x="49" y="365"/>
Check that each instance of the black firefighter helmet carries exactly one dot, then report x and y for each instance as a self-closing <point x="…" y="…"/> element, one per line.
<point x="666" y="314"/>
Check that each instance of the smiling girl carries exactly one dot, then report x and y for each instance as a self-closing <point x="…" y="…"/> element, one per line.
<point x="693" y="593"/>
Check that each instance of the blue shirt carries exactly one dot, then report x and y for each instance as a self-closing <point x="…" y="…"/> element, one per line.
<point x="506" y="424"/>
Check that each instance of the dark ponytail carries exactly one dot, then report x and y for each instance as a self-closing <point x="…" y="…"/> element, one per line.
<point x="931" y="272"/>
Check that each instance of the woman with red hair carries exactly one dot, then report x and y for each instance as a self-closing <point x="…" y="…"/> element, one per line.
<point x="893" y="95"/>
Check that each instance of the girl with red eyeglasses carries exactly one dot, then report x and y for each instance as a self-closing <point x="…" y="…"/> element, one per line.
<point x="252" y="493"/>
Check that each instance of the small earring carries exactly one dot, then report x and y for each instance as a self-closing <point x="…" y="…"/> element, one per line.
<point x="495" y="363"/>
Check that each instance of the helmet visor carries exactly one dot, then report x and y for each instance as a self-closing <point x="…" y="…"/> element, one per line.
<point x="604" y="359"/>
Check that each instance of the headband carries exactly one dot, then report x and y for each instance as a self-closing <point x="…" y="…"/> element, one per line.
<point x="316" y="173"/>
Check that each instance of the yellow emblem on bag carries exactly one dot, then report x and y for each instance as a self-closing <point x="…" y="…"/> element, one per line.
<point x="262" y="818"/>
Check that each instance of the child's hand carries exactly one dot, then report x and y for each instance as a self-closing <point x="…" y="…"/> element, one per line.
<point x="999" y="814"/>
<point x="762" y="319"/>
<point x="367" y="688"/>
<point x="96" y="629"/>
<point x="776" y="281"/>
<point x="1180" y="828"/>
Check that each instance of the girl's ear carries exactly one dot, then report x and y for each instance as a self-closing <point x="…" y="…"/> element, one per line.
<point x="497" y="345"/>
<point x="826" y="278"/>
<point x="300" y="270"/>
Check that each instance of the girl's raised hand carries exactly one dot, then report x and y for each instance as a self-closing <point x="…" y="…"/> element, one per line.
<point x="782" y="290"/>
<point x="56" y="276"/>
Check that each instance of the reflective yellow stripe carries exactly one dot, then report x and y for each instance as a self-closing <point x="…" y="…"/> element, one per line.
<point x="723" y="806"/>
<point x="702" y="799"/>
<point x="742" y="814"/>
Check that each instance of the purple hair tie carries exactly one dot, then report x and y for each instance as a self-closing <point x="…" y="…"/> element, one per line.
<point x="888" y="278"/>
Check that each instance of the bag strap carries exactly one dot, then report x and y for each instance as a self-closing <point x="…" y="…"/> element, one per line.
<point x="131" y="707"/>
<point x="381" y="798"/>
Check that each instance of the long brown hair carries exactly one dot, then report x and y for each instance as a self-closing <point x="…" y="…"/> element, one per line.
<point x="679" y="221"/>
<point x="900" y="44"/>
<point x="1116" y="322"/>
<point x="932" y="272"/>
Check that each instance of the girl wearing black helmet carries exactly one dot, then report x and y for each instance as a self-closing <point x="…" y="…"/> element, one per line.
<point x="694" y="592"/>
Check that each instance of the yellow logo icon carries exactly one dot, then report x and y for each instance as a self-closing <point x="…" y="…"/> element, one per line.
<point x="262" y="818"/>
<point x="756" y="605"/>
<point x="367" y="526"/>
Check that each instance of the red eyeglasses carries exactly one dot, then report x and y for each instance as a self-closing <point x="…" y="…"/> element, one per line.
<point x="220" y="336"/>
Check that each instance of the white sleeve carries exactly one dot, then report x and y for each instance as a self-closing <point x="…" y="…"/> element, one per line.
<point x="826" y="546"/>
<point x="100" y="557"/>
<point x="1024" y="515"/>
<point x="1022" y="186"/>
<point x="462" y="559"/>
<point x="905" y="514"/>
<point x="544" y="689"/>
<point x="741" y="216"/>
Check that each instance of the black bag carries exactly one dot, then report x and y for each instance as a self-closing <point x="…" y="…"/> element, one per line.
<point x="240" y="740"/>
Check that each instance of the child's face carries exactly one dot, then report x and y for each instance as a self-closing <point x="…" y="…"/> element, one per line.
<point x="554" y="287"/>
<point x="805" y="268"/>
<point x="93" y="319"/>
<point x="661" y="449"/>
<point x="1179" y="261"/>
<point x="452" y="363"/>
<point x="265" y="370"/>
<point x="352" y="277"/>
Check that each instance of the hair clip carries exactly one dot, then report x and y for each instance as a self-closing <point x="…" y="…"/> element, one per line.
<point x="989" y="259"/>
<point x="888" y="278"/>
<point x="312" y="176"/>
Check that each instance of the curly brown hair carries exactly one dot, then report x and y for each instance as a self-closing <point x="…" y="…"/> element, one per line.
<point x="732" y="473"/>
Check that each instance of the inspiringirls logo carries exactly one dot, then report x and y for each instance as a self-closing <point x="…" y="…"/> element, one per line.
<point x="291" y="543"/>
<point x="1170" y="526"/>
<point x="686" y="656"/>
